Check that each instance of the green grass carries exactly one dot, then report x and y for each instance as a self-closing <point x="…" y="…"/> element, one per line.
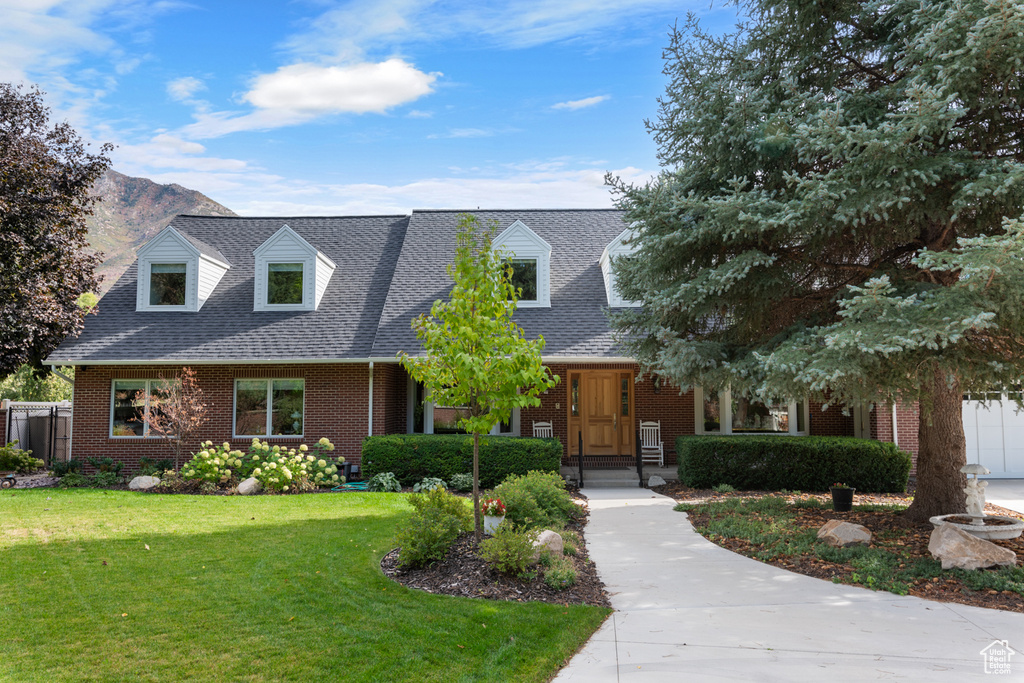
<point x="260" y="588"/>
<point x="769" y="525"/>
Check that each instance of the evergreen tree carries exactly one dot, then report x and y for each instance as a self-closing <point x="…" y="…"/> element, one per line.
<point x="45" y="265"/>
<point x="839" y="213"/>
<point x="476" y="355"/>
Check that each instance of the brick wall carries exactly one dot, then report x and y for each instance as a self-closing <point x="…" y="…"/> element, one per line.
<point x="389" y="400"/>
<point x="829" y="422"/>
<point x="335" y="407"/>
<point x="906" y="428"/>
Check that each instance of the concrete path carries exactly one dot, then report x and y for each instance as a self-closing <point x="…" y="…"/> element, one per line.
<point x="1008" y="493"/>
<point x="686" y="609"/>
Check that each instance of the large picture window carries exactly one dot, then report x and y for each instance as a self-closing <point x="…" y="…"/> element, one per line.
<point x="269" y="407"/>
<point x="131" y="400"/>
<point x="719" y="412"/>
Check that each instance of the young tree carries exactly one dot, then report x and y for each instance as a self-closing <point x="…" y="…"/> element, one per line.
<point x="476" y="355"/>
<point x="838" y="214"/>
<point x="176" y="412"/>
<point x="45" y="176"/>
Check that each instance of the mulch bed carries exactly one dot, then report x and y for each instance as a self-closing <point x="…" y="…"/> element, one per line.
<point x="910" y="537"/>
<point x="464" y="574"/>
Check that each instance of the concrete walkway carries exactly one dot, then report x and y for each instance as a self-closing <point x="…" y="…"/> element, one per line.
<point x="687" y="609"/>
<point x="1008" y="493"/>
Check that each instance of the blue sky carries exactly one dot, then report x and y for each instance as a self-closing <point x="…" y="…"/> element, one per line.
<point x="334" y="108"/>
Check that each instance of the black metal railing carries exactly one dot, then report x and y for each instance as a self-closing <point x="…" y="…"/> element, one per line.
<point x="639" y="459"/>
<point x="579" y="456"/>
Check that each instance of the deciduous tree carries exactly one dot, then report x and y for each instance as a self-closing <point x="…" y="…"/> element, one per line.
<point x="476" y="355"/>
<point x="838" y="214"/>
<point x="177" y="412"/>
<point x="45" y="176"/>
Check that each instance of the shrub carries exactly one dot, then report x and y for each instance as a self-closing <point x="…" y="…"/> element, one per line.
<point x="509" y="550"/>
<point x="13" y="458"/>
<point x="292" y="470"/>
<point x="429" y="484"/>
<point x="461" y="482"/>
<point x="426" y="536"/>
<point x="440" y="499"/>
<point x="723" y="488"/>
<point x="106" y="464"/>
<point x="538" y="499"/>
<point x="213" y="464"/>
<point x="74" y="480"/>
<point x="806" y="463"/>
<point x="560" y="574"/>
<point x="104" y="480"/>
<point x="414" y="456"/>
<point x="385" y="481"/>
<point x="150" y="467"/>
<point x="62" y="468"/>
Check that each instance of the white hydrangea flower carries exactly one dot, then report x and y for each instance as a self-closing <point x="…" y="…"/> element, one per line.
<point x="321" y="463"/>
<point x="266" y="447"/>
<point x="334" y="477"/>
<point x="257" y="472"/>
<point x="303" y="448"/>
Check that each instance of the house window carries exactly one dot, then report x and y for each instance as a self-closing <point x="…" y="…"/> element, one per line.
<point x="284" y="283"/>
<point x="721" y="413"/>
<point x="167" y="284"/>
<point x="524" y="278"/>
<point x="427" y="418"/>
<point x="269" y="407"/>
<point x="131" y="401"/>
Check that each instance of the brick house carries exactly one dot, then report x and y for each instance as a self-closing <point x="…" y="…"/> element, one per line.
<point x="293" y="325"/>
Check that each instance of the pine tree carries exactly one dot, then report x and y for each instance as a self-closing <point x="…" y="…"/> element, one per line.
<point x="839" y="213"/>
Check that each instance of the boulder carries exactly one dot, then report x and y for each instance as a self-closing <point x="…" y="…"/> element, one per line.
<point x="249" y="486"/>
<point x="547" y="540"/>
<point x="143" y="483"/>
<point x="655" y="480"/>
<point x="844" y="534"/>
<point x="960" y="550"/>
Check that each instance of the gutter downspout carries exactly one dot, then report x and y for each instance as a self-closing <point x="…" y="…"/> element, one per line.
<point x="54" y="370"/>
<point x="895" y="432"/>
<point x="369" y="420"/>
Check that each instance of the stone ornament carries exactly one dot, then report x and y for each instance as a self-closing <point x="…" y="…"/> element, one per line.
<point x="960" y="550"/>
<point x="844" y="534"/>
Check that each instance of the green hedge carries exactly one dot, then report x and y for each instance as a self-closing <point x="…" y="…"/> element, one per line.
<point x="415" y="456"/>
<point x="799" y="463"/>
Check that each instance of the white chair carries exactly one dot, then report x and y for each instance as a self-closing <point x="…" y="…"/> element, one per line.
<point x="543" y="430"/>
<point x="652" y="449"/>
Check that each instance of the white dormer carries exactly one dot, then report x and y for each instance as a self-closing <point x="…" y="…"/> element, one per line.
<point x="617" y="248"/>
<point x="291" y="275"/>
<point x="177" y="272"/>
<point x="531" y="264"/>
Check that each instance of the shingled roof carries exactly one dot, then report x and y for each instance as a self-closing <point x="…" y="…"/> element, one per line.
<point x="390" y="269"/>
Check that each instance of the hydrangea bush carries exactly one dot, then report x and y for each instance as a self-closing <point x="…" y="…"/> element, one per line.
<point x="214" y="464"/>
<point x="278" y="468"/>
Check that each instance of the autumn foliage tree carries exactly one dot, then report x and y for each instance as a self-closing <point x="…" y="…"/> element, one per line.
<point x="177" y="412"/>
<point x="475" y="354"/>
<point x="839" y="213"/>
<point x="45" y="177"/>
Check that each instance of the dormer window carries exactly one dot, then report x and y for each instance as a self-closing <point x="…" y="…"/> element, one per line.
<point x="284" y="283"/>
<point x="167" y="284"/>
<point x="177" y="272"/>
<point x="530" y="258"/>
<point x="291" y="274"/>
<point x="616" y="250"/>
<point x="524" y="278"/>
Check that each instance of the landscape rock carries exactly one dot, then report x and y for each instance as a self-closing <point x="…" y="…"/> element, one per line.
<point x="143" y="483"/>
<point x="844" y="534"/>
<point x="960" y="550"/>
<point x="655" y="480"/>
<point x="249" y="486"/>
<point x="547" y="540"/>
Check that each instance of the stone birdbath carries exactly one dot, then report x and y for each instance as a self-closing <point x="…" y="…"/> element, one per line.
<point x="976" y="522"/>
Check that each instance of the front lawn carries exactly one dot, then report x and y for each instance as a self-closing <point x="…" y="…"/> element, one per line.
<point x="116" y="585"/>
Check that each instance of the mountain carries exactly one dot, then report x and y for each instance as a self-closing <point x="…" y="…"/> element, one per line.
<point x="130" y="211"/>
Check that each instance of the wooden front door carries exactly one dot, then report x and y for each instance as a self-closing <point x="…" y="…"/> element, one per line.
<point x="601" y="406"/>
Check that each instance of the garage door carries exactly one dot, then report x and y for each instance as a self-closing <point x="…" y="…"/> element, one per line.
<point x="995" y="436"/>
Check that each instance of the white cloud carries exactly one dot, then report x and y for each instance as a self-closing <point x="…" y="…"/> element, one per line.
<point x="313" y="90"/>
<point x="463" y="133"/>
<point x="183" y="89"/>
<point x="580" y="104"/>
<point x="419" y="114"/>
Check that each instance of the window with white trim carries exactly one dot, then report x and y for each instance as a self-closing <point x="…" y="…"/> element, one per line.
<point x="719" y="412"/>
<point x="524" y="278"/>
<point x="530" y="257"/>
<point x="167" y="284"/>
<point x="426" y="418"/>
<point x="284" y="284"/>
<point x="131" y="400"/>
<point x="269" y="407"/>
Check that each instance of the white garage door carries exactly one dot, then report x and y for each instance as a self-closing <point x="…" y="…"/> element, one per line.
<point x="995" y="436"/>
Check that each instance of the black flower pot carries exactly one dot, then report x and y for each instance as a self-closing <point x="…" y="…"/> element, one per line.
<point x="842" y="499"/>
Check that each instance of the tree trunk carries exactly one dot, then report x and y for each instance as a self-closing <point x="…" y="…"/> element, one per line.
<point x="477" y="522"/>
<point x="942" y="451"/>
